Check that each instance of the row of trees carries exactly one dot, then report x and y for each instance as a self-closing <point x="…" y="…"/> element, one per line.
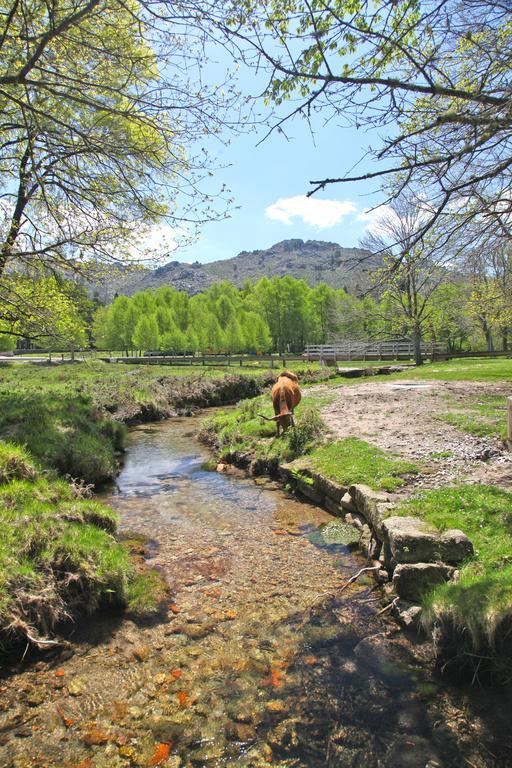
<point x="284" y="314"/>
<point x="277" y="314"/>
<point x="471" y="310"/>
<point x="104" y="110"/>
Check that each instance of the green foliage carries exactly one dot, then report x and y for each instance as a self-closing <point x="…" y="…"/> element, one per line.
<point x="52" y="312"/>
<point x="145" y="334"/>
<point x="354" y="461"/>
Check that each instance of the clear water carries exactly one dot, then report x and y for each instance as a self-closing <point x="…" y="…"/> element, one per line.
<point x="258" y="659"/>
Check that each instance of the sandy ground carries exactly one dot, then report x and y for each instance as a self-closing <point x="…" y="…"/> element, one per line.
<point x="400" y="417"/>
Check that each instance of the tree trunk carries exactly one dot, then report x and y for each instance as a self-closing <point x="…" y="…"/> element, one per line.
<point x="488" y="338"/>
<point x="416" y="340"/>
<point x="504" y="339"/>
<point x="21" y="201"/>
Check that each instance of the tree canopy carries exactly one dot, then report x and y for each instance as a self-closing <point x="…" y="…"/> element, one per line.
<point x="433" y="75"/>
<point x="101" y="111"/>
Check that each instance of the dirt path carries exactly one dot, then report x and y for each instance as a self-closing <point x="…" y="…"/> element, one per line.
<point x="403" y="417"/>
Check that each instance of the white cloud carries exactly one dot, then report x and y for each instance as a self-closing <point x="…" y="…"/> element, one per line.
<point x="312" y="210"/>
<point x="373" y="218"/>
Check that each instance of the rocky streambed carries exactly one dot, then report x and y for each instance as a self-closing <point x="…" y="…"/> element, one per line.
<point x="261" y="656"/>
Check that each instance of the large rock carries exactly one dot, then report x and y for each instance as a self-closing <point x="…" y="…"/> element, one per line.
<point x="413" y="580"/>
<point x="329" y="488"/>
<point x="373" y="505"/>
<point x="347" y="503"/>
<point x="411" y="540"/>
<point x="408" y="614"/>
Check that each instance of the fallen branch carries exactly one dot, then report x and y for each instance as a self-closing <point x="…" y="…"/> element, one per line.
<point x="358" y="574"/>
<point x="41" y="643"/>
<point x="387" y="607"/>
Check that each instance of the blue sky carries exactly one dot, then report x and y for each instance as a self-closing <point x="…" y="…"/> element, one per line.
<point x="269" y="180"/>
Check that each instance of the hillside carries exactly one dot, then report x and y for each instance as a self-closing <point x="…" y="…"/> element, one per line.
<point x="312" y="260"/>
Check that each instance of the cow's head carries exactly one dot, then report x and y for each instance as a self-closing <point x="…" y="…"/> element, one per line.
<point x="283" y="420"/>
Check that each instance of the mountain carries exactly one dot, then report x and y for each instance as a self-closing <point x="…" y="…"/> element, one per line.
<point x="314" y="261"/>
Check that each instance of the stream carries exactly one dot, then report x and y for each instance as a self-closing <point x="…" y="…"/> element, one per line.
<point x="257" y="659"/>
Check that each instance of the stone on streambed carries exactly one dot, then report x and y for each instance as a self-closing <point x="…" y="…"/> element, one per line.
<point x="411" y="540"/>
<point x="381" y="657"/>
<point x="347" y="503"/>
<point x="408" y="614"/>
<point x="413" y="580"/>
<point x="336" y="532"/>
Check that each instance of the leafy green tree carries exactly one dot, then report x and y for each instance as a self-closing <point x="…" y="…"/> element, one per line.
<point x="213" y="335"/>
<point x="7" y="342"/>
<point x="145" y="335"/>
<point x="49" y="316"/>
<point x="235" y="341"/>
<point x="89" y="146"/>
<point x="324" y="310"/>
<point x="224" y="310"/>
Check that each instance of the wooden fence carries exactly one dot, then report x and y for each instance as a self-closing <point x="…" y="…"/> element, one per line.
<point x="358" y="350"/>
<point x="217" y="361"/>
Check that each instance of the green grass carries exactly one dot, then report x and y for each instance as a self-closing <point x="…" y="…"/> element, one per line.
<point x="481" y="602"/>
<point x="58" y="555"/>
<point x="467" y="369"/>
<point x="352" y="460"/>
<point x="240" y="431"/>
<point x="481" y="415"/>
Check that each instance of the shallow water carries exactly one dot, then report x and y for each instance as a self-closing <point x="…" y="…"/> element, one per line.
<point x="258" y="659"/>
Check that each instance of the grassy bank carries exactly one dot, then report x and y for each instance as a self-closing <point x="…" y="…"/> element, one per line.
<point x="474" y="614"/>
<point x="72" y="417"/>
<point x="58" y="555"/>
<point x="241" y="435"/>
<point x="483" y="415"/>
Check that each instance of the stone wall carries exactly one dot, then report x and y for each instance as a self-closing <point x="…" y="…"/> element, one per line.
<point x="414" y="556"/>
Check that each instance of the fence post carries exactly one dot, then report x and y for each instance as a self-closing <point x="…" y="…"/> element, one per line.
<point x="509" y="432"/>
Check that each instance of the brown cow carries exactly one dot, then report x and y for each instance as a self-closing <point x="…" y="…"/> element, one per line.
<point x="285" y="396"/>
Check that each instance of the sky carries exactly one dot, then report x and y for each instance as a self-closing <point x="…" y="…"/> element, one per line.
<point x="269" y="180"/>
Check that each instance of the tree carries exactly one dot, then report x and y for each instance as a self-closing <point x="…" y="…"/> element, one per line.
<point x="323" y="300"/>
<point x="410" y="274"/>
<point x="213" y="336"/>
<point x="49" y="316"/>
<point x="234" y="337"/>
<point x="145" y="335"/>
<point x="92" y="152"/>
<point x="435" y="74"/>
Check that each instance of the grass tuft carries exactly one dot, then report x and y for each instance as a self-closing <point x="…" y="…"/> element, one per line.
<point x="242" y="432"/>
